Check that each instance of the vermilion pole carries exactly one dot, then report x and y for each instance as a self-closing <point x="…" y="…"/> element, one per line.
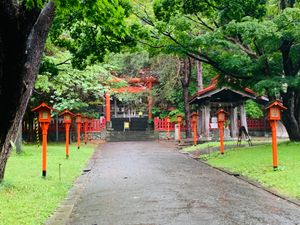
<point x="78" y="135"/>
<point x="274" y="144"/>
<point x="85" y="132"/>
<point x="179" y="135"/>
<point x="67" y="126"/>
<point x="107" y="107"/>
<point x="221" y="128"/>
<point x="44" y="149"/>
<point x="195" y="133"/>
<point x="150" y="101"/>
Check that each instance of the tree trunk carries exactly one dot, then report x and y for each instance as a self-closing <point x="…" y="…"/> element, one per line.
<point x="19" y="140"/>
<point x="22" y="39"/>
<point x="185" y="82"/>
<point x="199" y="75"/>
<point x="291" y="116"/>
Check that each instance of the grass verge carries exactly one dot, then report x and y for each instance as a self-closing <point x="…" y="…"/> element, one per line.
<point x="213" y="144"/>
<point x="26" y="197"/>
<point x="256" y="164"/>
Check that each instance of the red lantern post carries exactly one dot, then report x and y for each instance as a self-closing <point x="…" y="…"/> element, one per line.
<point x="44" y="120"/>
<point x="179" y="120"/>
<point x="78" y="122"/>
<point x="274" y="110"/>
<point x="221" y="114"/>
<point x="107" y="110"/>
<point x="67" y="115"/>
<point x="194" y="118"/>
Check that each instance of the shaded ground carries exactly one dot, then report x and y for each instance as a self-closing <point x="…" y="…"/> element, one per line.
<point x="141" y="183"/>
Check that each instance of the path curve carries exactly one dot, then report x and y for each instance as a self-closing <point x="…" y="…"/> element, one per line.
<point x="146" y="183"/>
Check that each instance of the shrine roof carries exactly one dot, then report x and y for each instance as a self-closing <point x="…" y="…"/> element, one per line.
<point x="213" y="93"/>
<point x="42" y="106"/>
<point x="276" y="103"/>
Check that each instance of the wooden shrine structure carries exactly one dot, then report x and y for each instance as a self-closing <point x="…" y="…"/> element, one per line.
<point x="212" y="98"/>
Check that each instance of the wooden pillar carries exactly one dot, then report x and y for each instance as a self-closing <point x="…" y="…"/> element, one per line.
<point x="243" y="117"/>
<point x="202" y="119"/>
<point x="199" y="123"/>
<point x="207" y="120"/>
<point x="150" y="101"/>
<point x="107" y="107"/>
<point x="233" y="122"/>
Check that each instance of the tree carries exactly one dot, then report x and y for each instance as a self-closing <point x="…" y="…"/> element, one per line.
<point x="244" y="41"/>
<point x="89" y="29"/>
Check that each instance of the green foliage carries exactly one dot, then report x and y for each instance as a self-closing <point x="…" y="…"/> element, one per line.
<point x="129" y="63"/>
<point x="67" y="88"/>
<point x="174" y="113"/>
<point x="238" y="38"/>
<point x="253" y="109"/>
<point x="133" y="100"/>
<point x="220" y="10"/>
<point x="30" y="4"/>
<point x="91" y="29"/>
<point x="159" y="112"/>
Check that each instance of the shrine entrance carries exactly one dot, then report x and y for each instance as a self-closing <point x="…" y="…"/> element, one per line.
<point x="125" y="115"/>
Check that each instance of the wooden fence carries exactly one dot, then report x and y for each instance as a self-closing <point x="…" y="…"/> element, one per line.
<point x="253" y="124"/>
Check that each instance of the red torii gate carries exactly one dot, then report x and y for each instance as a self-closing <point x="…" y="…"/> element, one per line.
<point x="147" y="85"/>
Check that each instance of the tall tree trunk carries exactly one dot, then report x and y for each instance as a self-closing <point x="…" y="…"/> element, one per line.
<point x="291" y="116"/>
<point x="199" y="75"/>
<point x="19" y="140"/>
<point x="283" y="4"/>
<point x="22" y="39"/>
<point x="185" y="82"/>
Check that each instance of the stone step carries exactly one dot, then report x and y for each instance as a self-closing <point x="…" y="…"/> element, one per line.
<point x="115" y="136"/>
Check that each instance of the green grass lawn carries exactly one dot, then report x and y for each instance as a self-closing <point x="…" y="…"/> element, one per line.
<point x="256" y="164"/>
<point x="212" y="144"/>
<point x="26" y="197"/>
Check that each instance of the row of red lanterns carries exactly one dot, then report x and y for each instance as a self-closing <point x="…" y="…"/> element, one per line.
<point x="45" y="118"/>
<point x="274" y="115"/>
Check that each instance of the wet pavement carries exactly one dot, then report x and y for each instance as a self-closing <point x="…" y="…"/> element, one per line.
<point x="146" y="183"/>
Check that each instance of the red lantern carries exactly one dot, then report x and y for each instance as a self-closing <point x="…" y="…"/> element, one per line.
<point x="44" y="119"/>
<point x="78" y="119"/>
<point x="179" y="121"/>
<point x="168" y="127"/>
<point x="274" y="115"/>
<point x="221" y="114"/>
<point x="67" y="115"/>
<point x="275" y="110"/>
<point x="194" y="118"/>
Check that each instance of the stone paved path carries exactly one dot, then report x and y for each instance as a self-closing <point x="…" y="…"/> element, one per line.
<point x="145" y="183"/>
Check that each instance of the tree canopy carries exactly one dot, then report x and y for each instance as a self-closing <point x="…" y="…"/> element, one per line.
<point x="250" y="43"/>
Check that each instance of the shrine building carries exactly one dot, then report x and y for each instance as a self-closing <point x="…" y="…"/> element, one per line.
<point x="212" y="98"/>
